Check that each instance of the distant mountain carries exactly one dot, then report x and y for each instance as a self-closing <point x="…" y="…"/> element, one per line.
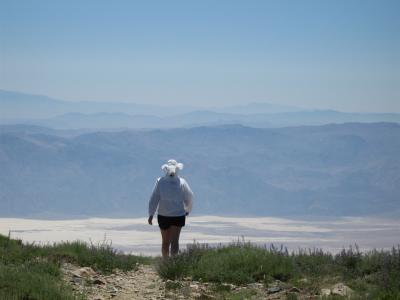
<point x="32" y="129"/>
<point x="104" y="120"/>
<point x="100" y="121"/>
<point x="349" y="169"/>
<point x="17" y="107"/>
<point x="21" y="106"/>
<point x="258" y="108"/>
<point x="206" y="118"/>
<point x="285" y="119"/>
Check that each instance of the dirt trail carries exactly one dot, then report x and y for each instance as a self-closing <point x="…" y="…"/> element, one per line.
<point x="144" y="283"/>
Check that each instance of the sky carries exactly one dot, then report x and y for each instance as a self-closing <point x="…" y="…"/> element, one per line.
<point x="341" y="54"/>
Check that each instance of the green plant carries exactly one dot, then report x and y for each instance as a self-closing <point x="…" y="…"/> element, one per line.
<point x="371" y="273"/>
<point x="31" y="271"/>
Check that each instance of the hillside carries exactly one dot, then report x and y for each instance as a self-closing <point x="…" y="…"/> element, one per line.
<point x="348" y="169"/>
<point x="76" y="270"/>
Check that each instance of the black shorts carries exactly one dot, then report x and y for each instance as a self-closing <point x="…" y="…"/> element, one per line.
<point x="165" y="222"/>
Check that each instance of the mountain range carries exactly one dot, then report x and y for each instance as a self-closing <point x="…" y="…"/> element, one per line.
<point x="19" y="108"/>
<point x="337" y="169"/>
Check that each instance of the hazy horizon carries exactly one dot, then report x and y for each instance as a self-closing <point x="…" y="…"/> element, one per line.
<point x="199" y="107"/>
<point x="124" y="101"/>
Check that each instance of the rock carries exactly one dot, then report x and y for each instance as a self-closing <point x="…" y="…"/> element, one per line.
<point x="207" y="296"/>
<point x="325" y="292"/>
<point x="84" y="272"/>
<point x="76" y="280"/>
<point x="294" y="290"/>
<point x="273" y="289"/>
<point x="98" y="281"/>
<point x="76" y="274"/>
<point x="341" y="289"/>
<point x="196" y="295"/>
<point x="255" y="285"/>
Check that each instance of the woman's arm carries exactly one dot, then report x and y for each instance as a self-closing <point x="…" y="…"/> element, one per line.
<point x="188" y="199"/>
<point x="154" y="200"/>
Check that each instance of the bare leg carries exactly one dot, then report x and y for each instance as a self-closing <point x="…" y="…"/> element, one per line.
<point x="174" y="238"/>
<point x="166" y="241"/>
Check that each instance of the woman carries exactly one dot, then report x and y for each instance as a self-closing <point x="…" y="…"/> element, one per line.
<point x="173" y="197"/>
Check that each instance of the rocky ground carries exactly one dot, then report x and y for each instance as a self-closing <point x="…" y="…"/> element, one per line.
<point x="144" y="283"/>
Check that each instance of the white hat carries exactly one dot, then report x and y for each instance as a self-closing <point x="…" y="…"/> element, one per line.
<point x="172" y="167"/>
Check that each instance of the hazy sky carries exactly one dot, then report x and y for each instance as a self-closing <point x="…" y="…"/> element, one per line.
<point x="338" y="54"/>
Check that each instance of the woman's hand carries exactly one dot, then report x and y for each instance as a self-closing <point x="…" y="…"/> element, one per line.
<point x="150" y="220"/>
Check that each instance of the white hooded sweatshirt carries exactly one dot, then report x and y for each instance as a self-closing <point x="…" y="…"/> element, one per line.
<point x="172" y="195"/>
